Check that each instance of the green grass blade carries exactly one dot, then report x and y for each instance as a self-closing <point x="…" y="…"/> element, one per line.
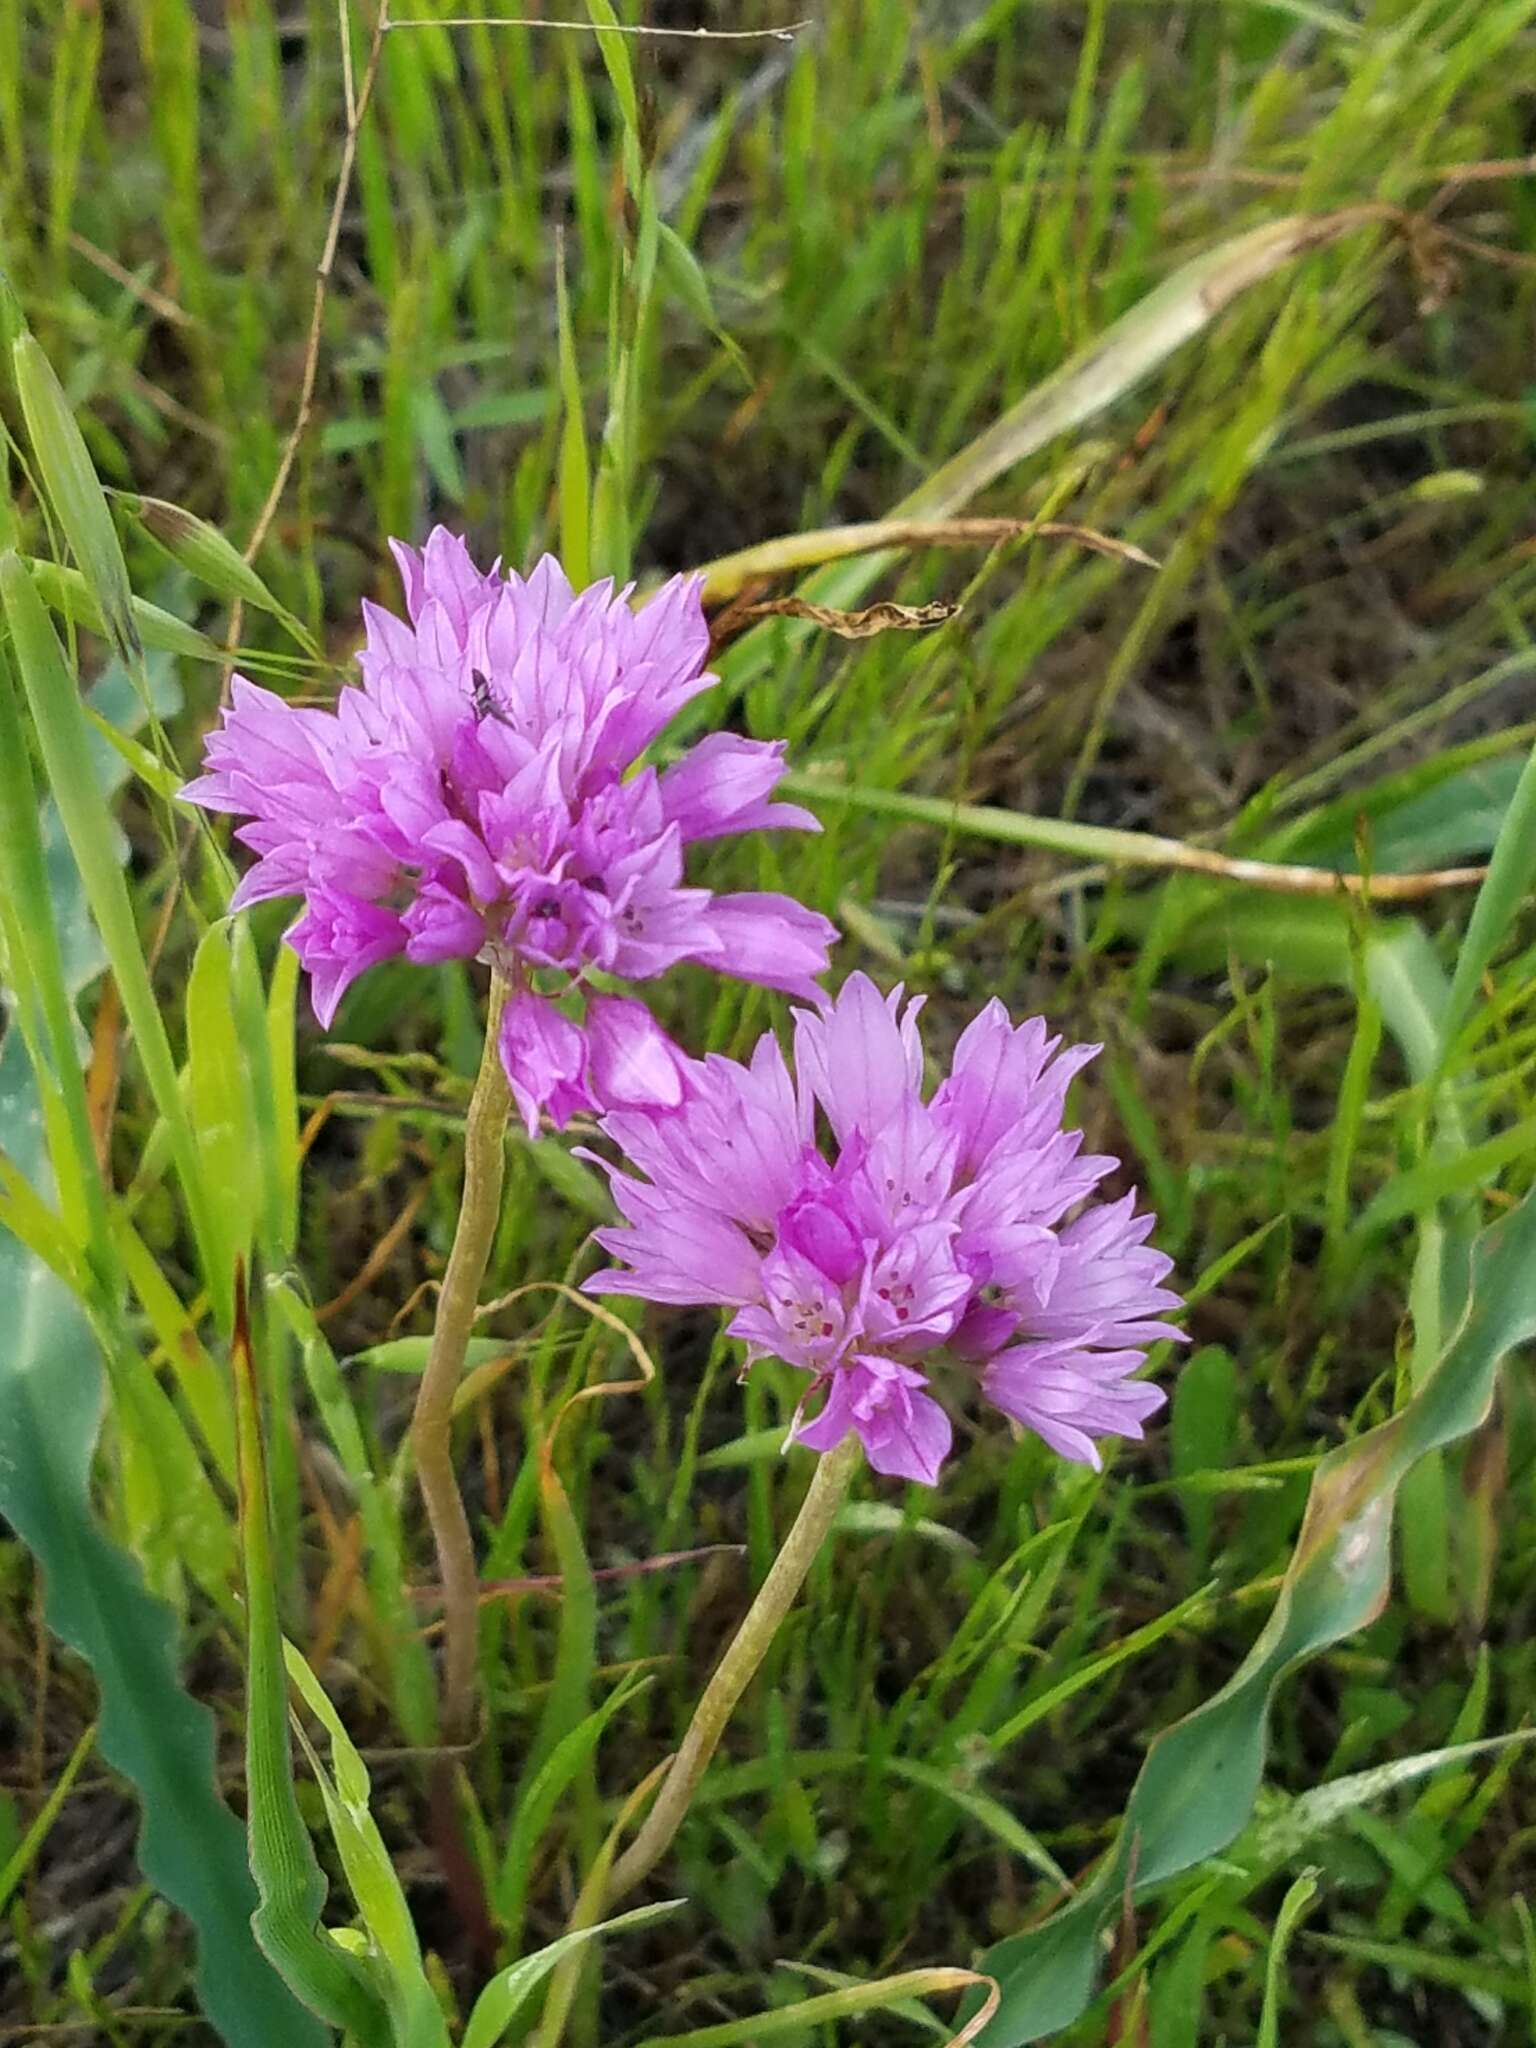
<point x="1293" y="1910"/>
<point x="416" y="2017"/>
<point x="64" y="736"/>
<point x="1284" y="1834"/>
<point x="218" y="1098"/>
<point x="1114" y="363"/>
<point x="283" y="1109"/>
<point x="1504" y="893"/>
<point x="202" y="1385"/>
<point x="576" y="1648"/>
<point x="499" y="2003"/>
<point x="74" y="491"/>
<point x="410" y="1667"/>
<point x="65" y="590"/>
<point x="535" y="1807"/>
<point x="575" y="461"/>
<point x="810" y="2012"/>
<point x="18" y="1864"/>
<point x="208" y="555"/>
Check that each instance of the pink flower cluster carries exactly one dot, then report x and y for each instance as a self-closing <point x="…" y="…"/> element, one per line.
<point x="475" y="800"/>
<point x="484" y="796"/>
<point x="961" y="1228"/>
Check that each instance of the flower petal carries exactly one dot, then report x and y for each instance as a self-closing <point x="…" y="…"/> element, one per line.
<point x="545" y="1056"/>
<point x="634" y="1064"/>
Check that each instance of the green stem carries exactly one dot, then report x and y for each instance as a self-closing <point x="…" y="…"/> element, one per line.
<point x="432" y="1424"/>
<point x="737" y="1667"/>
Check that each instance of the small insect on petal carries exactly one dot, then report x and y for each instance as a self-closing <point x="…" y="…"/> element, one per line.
<point x="480" y="796"/>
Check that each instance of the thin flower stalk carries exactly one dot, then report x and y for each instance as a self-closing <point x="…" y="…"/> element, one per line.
<point x="737" y="1668"/>
<point x="869" y="1235"/>
<point x="485" y="1134"/>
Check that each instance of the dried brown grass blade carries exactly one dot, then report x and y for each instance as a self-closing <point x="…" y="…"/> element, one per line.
<point x="1096" y="376"/>
<point x="645" y="1368"/>
<point x="859" y="625"/>
<point x="792" y="552"/>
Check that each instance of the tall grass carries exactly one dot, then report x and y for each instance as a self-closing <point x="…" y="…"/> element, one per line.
<point x="1246" y="289"/>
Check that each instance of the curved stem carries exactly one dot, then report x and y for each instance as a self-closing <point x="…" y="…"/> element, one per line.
<point x="736" y="1668"/>
<point x="432" y="1424"/>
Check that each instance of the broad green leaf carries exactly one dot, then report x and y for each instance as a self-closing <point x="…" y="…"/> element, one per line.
<point x="42" y="921"/>
<point x="51" y="1391"/>
<point x="190" y="1845"/>
<point x="1201" y="1776"/>
<point x="1438" y="813"/>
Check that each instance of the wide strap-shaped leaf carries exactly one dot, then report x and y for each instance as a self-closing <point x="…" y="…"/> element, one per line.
<point x="190" y="1845"/>
<point x="1201" y="1776"/>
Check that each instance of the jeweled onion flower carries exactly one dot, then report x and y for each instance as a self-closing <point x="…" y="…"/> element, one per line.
<point x="478" y="798"/>
<point x="872" y="1238"/>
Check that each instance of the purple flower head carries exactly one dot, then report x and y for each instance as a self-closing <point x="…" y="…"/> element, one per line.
<point x="961" y="1231"/>
<point x="475" y="799"/>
